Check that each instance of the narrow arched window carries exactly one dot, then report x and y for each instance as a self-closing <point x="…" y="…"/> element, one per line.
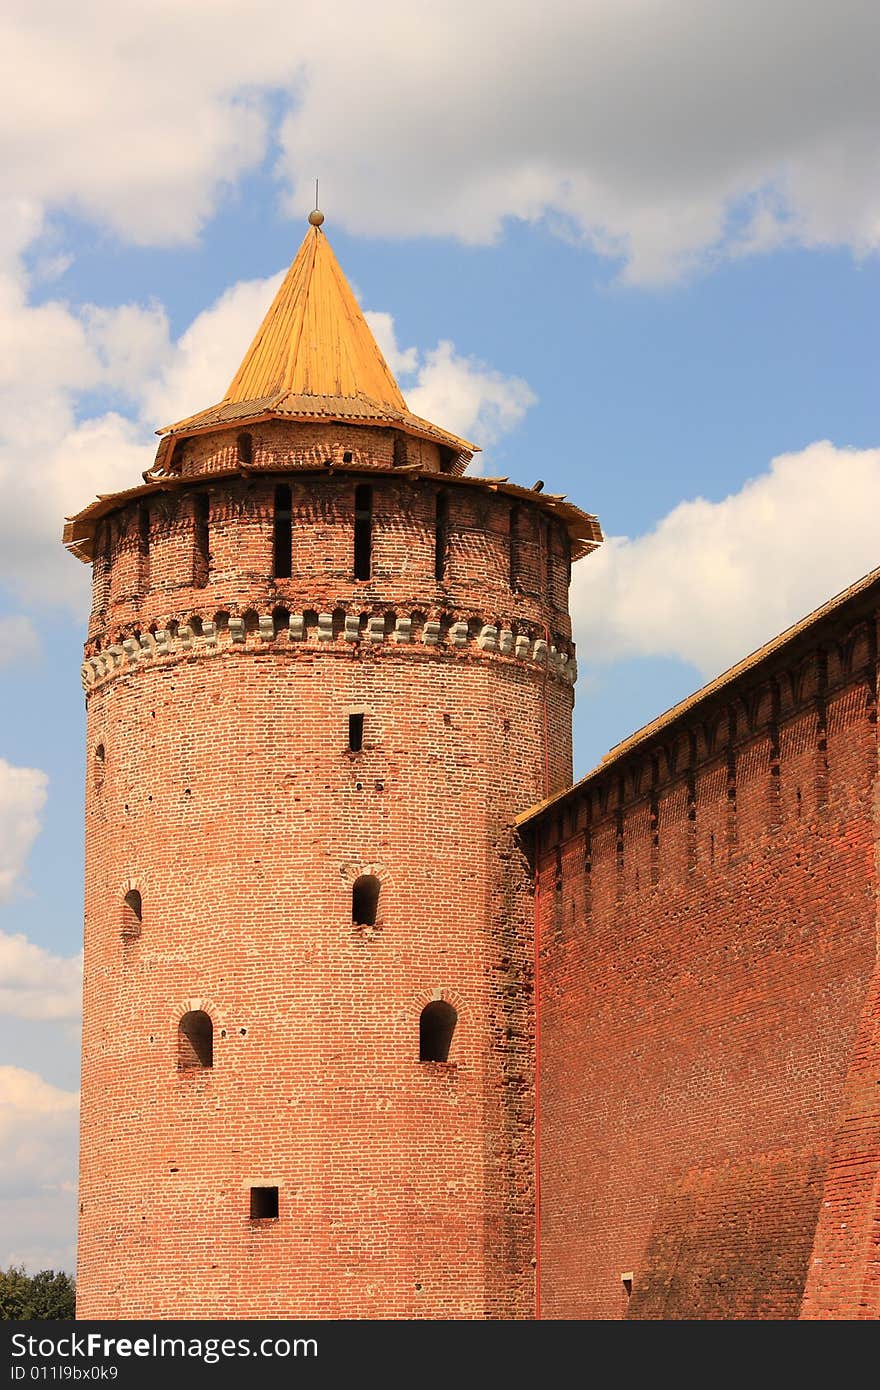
<point x="436" y="1027"/>
<point x="363" y="531"/>
<point x="132" y="915"/>
<point x="365" y="900"/>
<point x="195" y="1041"/>
<point x="355" y="732"/>
<point x="201" y="553"/>
<point x="245" y="446"/>
<point x="441" y="535"/>
<point x="99" y="767"/>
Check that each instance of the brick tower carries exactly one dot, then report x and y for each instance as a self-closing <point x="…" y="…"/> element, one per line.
<point x="324" y="671"/>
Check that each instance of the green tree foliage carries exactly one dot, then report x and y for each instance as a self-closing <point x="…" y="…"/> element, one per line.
<point x="47" y="1296"/>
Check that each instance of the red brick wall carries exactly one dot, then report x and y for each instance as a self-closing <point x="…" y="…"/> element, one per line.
<point x="476" y="583"/>
<point x="708" y="937"/>
<point x="278" y="444"/>
<point x="844" y="1273"/>
<point x="229" y="799"/>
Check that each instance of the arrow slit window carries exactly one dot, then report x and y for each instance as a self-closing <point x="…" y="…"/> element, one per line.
<point x="363" y="531"/>
<point x="283" y="533"/>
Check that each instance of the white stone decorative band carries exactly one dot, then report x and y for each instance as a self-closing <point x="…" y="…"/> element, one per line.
<point x="367" y="628"/>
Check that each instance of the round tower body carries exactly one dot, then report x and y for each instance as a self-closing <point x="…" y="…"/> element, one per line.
<point x="323" y="676"/>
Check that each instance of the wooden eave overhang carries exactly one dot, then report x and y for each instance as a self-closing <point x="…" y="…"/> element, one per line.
<point x="584" y="531"/>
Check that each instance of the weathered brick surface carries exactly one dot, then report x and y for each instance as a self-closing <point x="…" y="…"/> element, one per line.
<point x="277" y="444"/>
<point x="226" y="795"/>
<point x="844" y="1274"/>
<point x="708" y="942"/>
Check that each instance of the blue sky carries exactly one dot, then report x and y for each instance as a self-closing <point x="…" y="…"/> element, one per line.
<point x="660" y="294"/>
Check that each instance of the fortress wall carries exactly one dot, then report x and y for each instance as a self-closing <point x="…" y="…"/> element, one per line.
<point x="708" y="939"/>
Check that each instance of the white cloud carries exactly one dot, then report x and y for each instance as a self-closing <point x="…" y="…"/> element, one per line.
<point x="467" y="397"/>
<point x="401" y="361"/>
<point x="38" y="1143"/>
<point x="51" y="463"/>
<point x="714" y="580"/>
<point x="653" y="129"/>
<point x="194" y="372"/>
<point x="74" y="462"/>
<point x="641" y="126"/>
<point x="22" y="797"/>
<point x="460" y="393"/>
<point x="137" y="118"/>
<point x="18" y="639"/>
<point x="34" y="983"/>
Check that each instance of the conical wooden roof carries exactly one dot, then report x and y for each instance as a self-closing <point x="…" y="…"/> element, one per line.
<point x="314" y="340"/>
<point x="314" y="357"/>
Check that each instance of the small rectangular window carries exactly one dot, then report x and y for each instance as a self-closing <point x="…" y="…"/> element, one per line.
<point x="283" y="535"/>
<point x="264" y="1203"/>
<point x="355" y="732"/>
<point x="363" y="530"/>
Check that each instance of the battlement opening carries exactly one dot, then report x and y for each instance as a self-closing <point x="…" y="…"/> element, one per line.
<point x="282" y="557"/>
<point x="144" y="541"/>
<point x="513" y="547"/>
<point x="441" y="535"/>
<point x="201" y="554"/>
<point x="363" y="530"/>
<point x="436" y="1027"/>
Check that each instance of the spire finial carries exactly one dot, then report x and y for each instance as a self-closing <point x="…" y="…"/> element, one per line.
<point x="316" y="216"/>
